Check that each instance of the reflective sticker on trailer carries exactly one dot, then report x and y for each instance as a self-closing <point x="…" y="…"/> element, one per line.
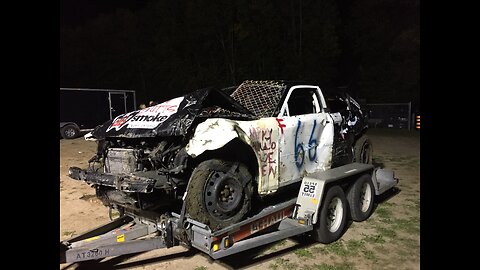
<point x="121" y="238"/>
<point x="92" y="238"/>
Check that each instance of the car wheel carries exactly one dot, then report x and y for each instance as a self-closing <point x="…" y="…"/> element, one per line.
<point x="332" y="218"/>
<point x="363" y="150"/>
<point x="219" y="193"/>
<point x="69" y="131"/>
<point x="360" y="197"/>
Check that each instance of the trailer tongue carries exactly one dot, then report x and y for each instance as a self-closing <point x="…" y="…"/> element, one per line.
<point x="320" y="208"/>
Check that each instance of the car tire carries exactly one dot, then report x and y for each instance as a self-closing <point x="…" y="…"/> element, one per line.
<point x="332" y="217"/>
<point x="363" y="150"/>
<point x="69" y="131"/>
<point x="360" y="197"/>
<point x="219" y="193"/>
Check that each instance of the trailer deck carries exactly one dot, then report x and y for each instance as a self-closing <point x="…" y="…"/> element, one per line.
<point x="131" y="233"/>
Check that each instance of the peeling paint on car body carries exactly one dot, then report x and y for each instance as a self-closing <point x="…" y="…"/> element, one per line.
<point x="279" y="165"/>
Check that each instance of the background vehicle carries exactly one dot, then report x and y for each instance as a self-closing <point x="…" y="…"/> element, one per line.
<point x="83" y="109"/>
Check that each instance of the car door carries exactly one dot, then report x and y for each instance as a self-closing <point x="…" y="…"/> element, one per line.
<point x="306" y="139"/>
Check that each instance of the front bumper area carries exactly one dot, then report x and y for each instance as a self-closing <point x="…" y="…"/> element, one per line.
<point x="123" y="182"/>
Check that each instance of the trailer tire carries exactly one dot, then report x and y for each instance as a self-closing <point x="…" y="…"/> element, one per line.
<point x="363" y="150"/>
<point x="332" y="217"/>
<point x="360" y="197"/>
<point x="69" y="131"/>
<point x="219" y="193"/>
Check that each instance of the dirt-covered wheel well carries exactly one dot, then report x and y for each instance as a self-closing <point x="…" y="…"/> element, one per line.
<point x="235" y="150"/>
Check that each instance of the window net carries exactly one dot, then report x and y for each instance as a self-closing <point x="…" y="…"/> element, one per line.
<point x="259" y="97"/>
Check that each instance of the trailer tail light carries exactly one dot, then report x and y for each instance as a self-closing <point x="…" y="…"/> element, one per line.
<point x="417" y="121"/>
<point x="227" y="242"/>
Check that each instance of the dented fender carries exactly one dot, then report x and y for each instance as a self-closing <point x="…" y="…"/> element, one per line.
<point x="213" y="134"/>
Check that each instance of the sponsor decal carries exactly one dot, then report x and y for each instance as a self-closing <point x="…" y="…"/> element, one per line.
<point x="121" y="120"/>
<point x="148" y="118"/>
<point x="151" y="117"/>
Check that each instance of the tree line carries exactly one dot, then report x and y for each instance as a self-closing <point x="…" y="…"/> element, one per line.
<point x="168" y="48"/>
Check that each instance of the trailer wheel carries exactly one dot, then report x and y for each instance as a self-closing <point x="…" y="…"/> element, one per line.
<point x="333" y="216"/>
<point x="363" y="150"/>
<point x="219" y="193"/>
<point x="69" y="131"/>
<point x="360" y="197"/>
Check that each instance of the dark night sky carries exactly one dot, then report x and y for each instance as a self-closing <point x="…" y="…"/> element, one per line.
<point x="77" y="12"/>
<point x="163" y="49"/>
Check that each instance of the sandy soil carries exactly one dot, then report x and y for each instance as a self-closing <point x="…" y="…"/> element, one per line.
<point x="389" y="239"/>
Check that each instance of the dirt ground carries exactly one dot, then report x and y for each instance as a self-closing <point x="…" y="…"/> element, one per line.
<point x="389" y="239"/>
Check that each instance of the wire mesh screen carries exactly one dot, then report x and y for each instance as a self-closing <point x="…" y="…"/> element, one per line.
<point x="259" y="97"/>
<point x="389" y="115"/>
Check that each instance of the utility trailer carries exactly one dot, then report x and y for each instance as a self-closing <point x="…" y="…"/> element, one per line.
<point x="324" y="203"/>
<point x="82" y="109"/>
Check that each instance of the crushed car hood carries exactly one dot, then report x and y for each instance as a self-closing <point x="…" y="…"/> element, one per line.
<point x="173" y="117"/>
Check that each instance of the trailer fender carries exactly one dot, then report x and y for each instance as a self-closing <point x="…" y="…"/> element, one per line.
<point x="383" y="180"/>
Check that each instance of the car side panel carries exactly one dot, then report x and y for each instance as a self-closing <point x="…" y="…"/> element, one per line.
<point x="305" y="146"/>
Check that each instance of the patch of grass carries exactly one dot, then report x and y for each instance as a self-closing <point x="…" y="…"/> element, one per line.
<point x="380" y="248"/>
<point x="369" y="255"/>
<point x="281" y="243"/>
<point x="285" y="264"/>
<point x="387" y="232"/>
<point x="355" y="246"/>
<point x="324" y="266"/>
<point x="337" y="248"/>
<point x="388" y="204"/>
<point x="386" y="220"/>
<point x="321" y="250"/>
<point x="273" y="266"/>
<point x="275" y="246"/>
<point x="374" y="239"/>
<point x="305" y="253"/>
<point x="410" y="225"/>
<point x="382" y="212"/>
<point x="200" y="268"/>
<point x="68" y="233"/>
<point x="410" y="244"/>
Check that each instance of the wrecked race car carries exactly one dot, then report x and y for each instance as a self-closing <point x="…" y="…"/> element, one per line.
<point x="211" y="155"/>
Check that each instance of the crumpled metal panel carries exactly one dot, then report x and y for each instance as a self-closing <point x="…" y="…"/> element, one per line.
<point x="286" y="148"/>
<point x="173" y="117"/>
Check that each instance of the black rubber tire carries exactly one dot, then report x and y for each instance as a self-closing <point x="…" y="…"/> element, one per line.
<point x="355" y="197"/>
<point x="363" y="150"/>
<point x="321" y="231"/>
<point x="209" y="179"/>
<point x="69" y="132"/>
